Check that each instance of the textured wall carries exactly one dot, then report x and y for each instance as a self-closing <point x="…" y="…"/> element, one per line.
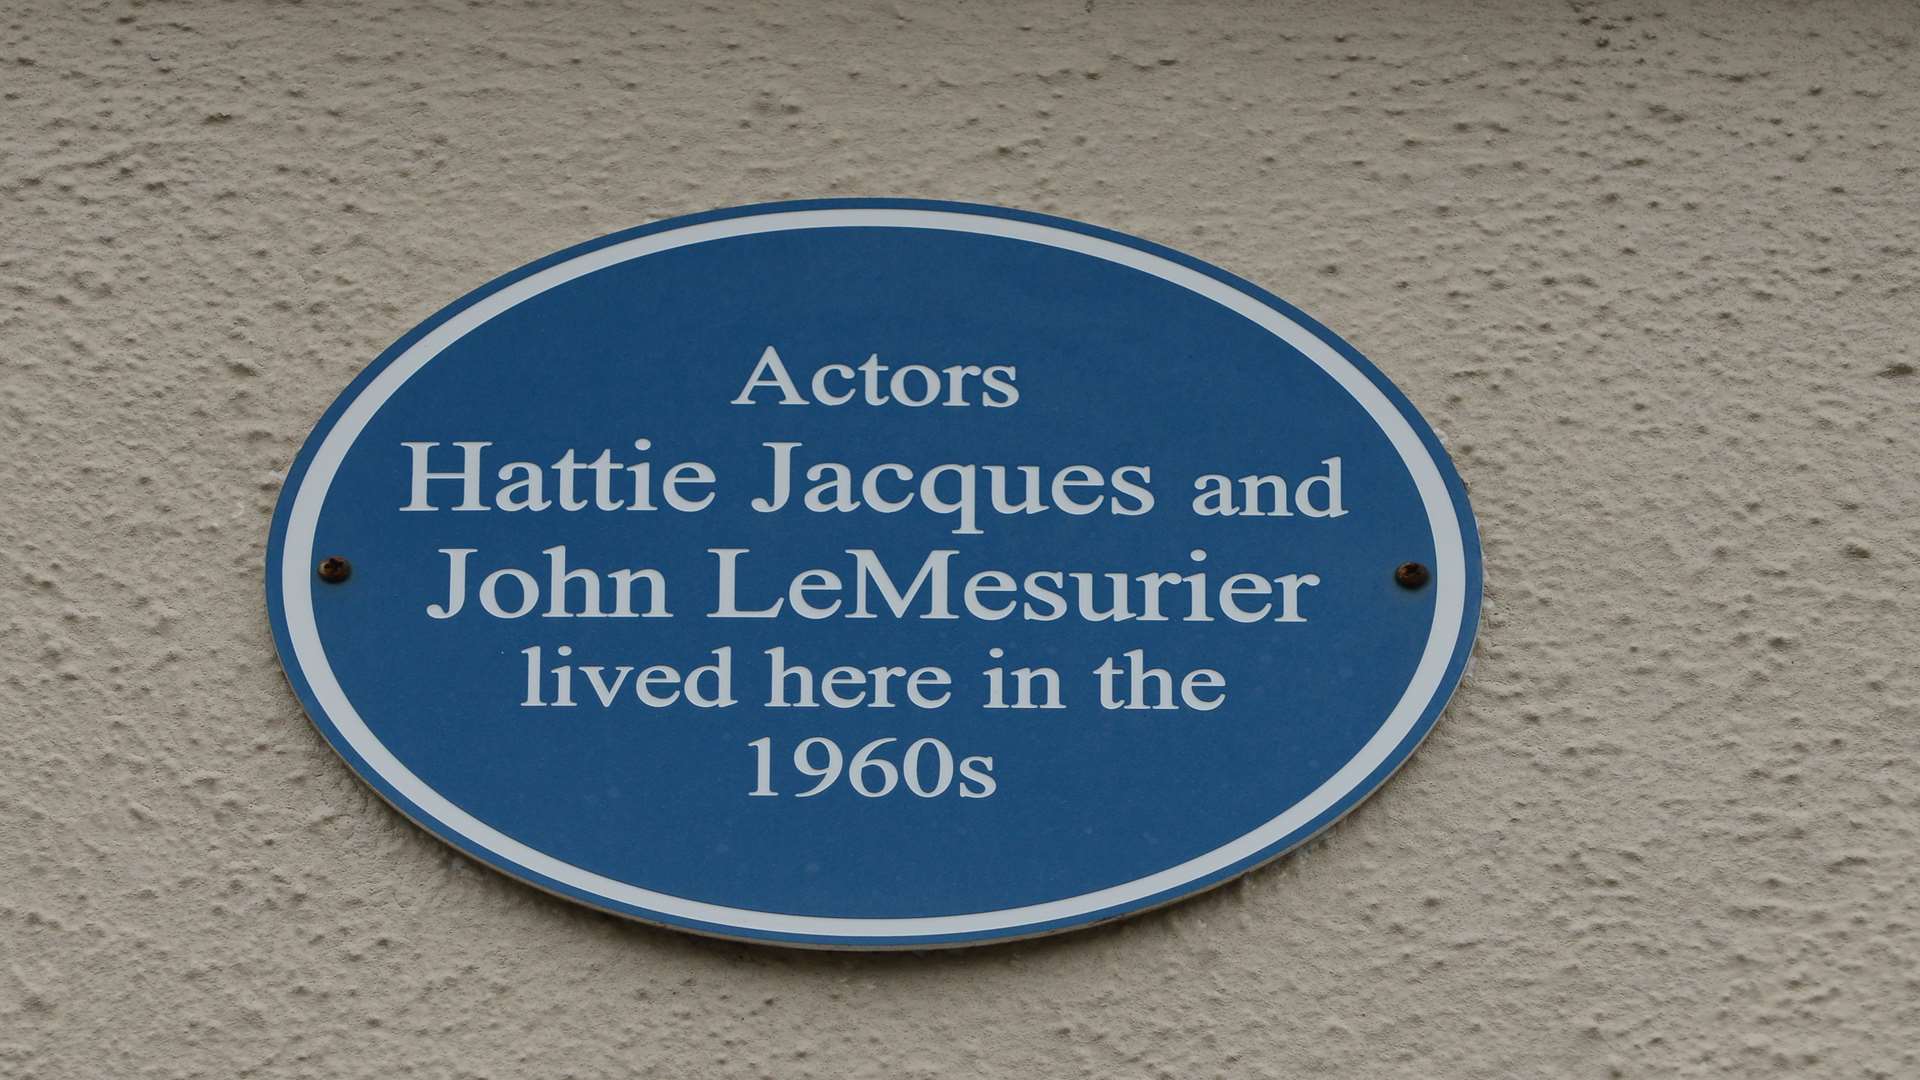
<point x="1650" y="267"/>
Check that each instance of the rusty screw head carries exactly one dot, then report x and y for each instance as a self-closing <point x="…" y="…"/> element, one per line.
<point x="1412" y="575"/>
<point x="333" y="570"/>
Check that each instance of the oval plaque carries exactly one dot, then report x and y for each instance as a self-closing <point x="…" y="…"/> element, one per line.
<point x="872" y="573"/>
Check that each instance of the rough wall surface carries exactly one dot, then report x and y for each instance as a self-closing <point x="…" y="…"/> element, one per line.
<point x="1649" y="267"/>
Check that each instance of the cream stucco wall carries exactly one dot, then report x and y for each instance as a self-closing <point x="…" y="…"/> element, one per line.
<point x="1650" y="267"/>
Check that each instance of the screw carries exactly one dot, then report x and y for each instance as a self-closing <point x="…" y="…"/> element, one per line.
<point x="1412" y="575"/>
<point x="333" y="570"/>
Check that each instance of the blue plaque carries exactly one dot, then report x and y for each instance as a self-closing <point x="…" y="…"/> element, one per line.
<point x="872" y="573"/>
